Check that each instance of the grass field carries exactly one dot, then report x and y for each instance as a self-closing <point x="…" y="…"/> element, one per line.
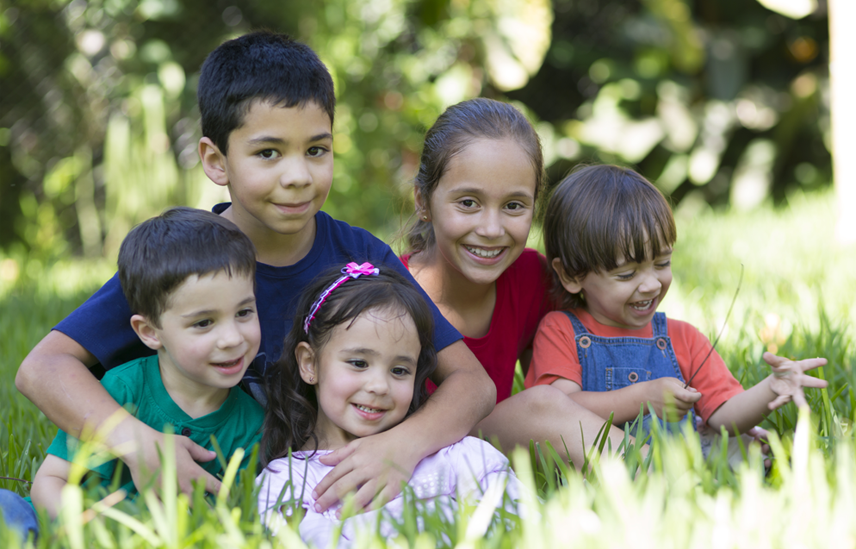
<point x="795" y="299"/>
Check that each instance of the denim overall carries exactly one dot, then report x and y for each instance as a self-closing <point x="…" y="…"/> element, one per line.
<point x="610" y="363"/>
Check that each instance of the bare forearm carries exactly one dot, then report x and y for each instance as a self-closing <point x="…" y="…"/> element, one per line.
<point x="47" y="494"/>
<point x="624" y="403"/>
<point x="47" y="487"/>
<point x="745" y="410"/>
<point x="55" y="378"/>
<point x="464" y="397"/>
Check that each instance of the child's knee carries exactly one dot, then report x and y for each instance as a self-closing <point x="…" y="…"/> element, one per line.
<point x="546" y="400"/>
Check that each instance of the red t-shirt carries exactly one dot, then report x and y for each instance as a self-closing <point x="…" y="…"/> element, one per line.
<point x="521" y="301"/>
<point x="554" y="356"/>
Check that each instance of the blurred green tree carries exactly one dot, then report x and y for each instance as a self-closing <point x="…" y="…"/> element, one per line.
<point x="717" y="100"/>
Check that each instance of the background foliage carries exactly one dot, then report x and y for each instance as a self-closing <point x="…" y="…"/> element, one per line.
<point x="717" y="100"/>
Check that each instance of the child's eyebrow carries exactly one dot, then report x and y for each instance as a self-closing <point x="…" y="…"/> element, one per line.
<point x="371" y="352"/>
<point x="279" y="141"/>
<point x="478" y="190"/>
<point x="205" y="312"/>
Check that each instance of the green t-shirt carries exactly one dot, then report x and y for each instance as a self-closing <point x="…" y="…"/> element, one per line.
<point x="137" y="385"/>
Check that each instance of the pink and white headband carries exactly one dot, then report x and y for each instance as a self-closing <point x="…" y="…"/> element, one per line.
<point x="351" y="270"/>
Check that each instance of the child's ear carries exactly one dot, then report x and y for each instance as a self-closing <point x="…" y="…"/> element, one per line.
<point x="146" y="331"/>
<point x="571" y="284"/>
<point x="213" y="162"/>
<point x="306" y="362"/>
<point x="422" y="211"/>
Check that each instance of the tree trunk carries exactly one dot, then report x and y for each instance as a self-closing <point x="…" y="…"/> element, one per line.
<point x="842" y="81"/>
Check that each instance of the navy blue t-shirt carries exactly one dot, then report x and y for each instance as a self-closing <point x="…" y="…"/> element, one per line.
<point x="102" y="324"/>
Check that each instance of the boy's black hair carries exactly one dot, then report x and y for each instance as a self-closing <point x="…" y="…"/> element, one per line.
<point x="457" y="127"/>
<point x="263" y="66"/>
<point x="292" y="409"/>
<point x="598" y="214"/>
<point x="159" y="254"/>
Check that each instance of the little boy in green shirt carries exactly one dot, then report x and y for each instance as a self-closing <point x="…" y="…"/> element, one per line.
<point x="188" y="276"/>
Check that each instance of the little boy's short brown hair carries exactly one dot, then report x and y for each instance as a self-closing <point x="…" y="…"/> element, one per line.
<point x="599" y="214"/>
<point x="159" y="254"/>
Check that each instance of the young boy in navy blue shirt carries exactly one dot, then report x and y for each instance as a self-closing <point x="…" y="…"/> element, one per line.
<point x="188" y="276"/>
<point x="267" y="107"/>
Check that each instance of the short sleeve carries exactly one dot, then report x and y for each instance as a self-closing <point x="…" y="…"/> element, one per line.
<point x="554" y="352"/>
<point x="65" y="447"/>
<point x="714" y="380"/>
<point x="59" y="446"/>
<point x="102" y="326"/>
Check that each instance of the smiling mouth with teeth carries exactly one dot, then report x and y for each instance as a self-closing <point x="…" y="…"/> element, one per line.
<point x="642" y="305"/>
<point x="367" y="409"/>
<point x="487" y="254"/>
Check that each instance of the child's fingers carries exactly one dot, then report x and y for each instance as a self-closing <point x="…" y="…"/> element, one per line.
<point x="781" y="362"/>
<point x="774" y="360"/>
<point x="813" y="382"/>
<point x="335" y="458"/>
<point x="212" y="484"/>
<point x="687" y="397"/>
<point x="197" y="452"/>
<point x="811" y="363"/>
<point x="778" y="401"/>
<point x="334" y="486"/>
<point x="799" y="399"/>
<point x="187" y="456"/>
<point x="365" y="495"/>
<point x="758" y="433"/>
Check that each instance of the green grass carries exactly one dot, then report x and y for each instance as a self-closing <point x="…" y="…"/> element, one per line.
<point x="795" y="297"/>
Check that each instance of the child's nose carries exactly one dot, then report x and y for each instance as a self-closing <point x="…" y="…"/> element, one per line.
<point x="377" y="384"/>
<point x="295" y="173"/>
<point x="650" y="283"/>
<point x="490" y="225"/>
<point x="230" y="336"/>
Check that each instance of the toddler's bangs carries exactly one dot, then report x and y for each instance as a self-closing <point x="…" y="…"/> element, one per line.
<point x="643" y="233"/>
<point x="600" y="215"/>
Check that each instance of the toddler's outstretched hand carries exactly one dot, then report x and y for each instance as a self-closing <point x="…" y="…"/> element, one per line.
<point x="788" y="379"/>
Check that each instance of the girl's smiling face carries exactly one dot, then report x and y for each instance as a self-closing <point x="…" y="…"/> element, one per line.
<point x="627" y="296"/>
<point x="363" y="375"/>
<point x="482" y="207"/>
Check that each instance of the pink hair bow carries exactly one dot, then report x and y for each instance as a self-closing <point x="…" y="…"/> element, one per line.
<point x="355" y="270"/>
<point x="351" y="270"/>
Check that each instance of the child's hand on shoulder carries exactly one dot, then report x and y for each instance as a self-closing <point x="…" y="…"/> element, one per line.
<point x="788" y="379"/>
<point x="682" y="398"/>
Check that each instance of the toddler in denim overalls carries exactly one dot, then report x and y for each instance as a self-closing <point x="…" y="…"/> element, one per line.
<point x="609" y="235"/>
<point x="611" y="363"/>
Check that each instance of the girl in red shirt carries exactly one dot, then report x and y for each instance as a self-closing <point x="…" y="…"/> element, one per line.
<point x="479" y="179"/>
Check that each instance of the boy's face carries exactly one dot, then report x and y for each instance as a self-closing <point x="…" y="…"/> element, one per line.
<point x="627" y="296"/>
<point x="279" y="169"/>
<point x="208" y="335"/>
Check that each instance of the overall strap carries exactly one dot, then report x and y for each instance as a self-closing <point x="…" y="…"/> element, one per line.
<point x="659" y="325"/>
<point x="575" y="322"/>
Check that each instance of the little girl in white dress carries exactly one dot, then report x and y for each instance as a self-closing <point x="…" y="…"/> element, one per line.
<point x="355" y="364"/>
